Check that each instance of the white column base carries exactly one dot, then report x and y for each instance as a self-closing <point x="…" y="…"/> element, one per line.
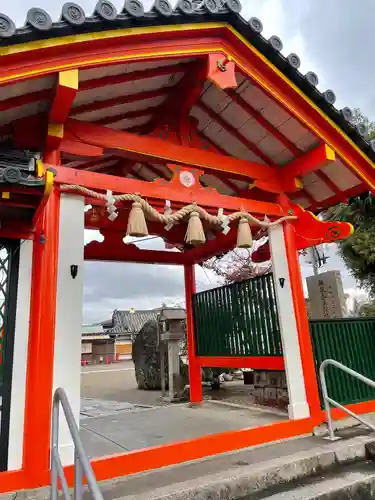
<point x="298" y="411"/>
<point x="298" y="407"/>
<point x="21" y="340"/>
<point x="66" y="452"/>
<point x="67" y="361"/>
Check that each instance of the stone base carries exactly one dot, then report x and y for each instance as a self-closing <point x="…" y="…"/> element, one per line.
<point x="268" y="388"/>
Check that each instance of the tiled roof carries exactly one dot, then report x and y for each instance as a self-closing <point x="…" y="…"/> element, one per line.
<point x="131" y="322"/>
<point x="74" y="20"/>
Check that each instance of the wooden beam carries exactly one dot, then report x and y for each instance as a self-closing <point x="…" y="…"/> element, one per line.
<point x="117" y="101"/>
<point x="221" y="244"/>
<point x="22" y="100"/>
<point x="332" y="186"/>
<point x="70" y="145"/>
<point x="134" y="76"/>
<point x="155" y="190"/>
<point x="86" y="164"/>
<point x="236" y="133"/>
<point x="65" y="93"/>
<point x="263" y="122"/>
<point x="155" y="149"/>
<point x="128" y="115"/>
<point x="254" y="362"/>
<point x="217" y="149"/>
<point x="334" y="200"/>
<point x="113" y="249"/>
<point x="309" y="162"/>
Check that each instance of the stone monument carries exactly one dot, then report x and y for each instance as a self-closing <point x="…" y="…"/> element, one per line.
<point x="326" y="296"/>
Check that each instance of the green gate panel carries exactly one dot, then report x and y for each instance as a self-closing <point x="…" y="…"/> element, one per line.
<point x="350" y="341"/>
<point x="238" y="320"/>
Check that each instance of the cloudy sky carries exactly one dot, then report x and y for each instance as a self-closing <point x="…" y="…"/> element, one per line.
<point x="333" y="39"/>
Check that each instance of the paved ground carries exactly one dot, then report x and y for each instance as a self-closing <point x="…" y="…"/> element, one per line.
<point x="142" y="428"/>
<point x="116" y="382"/>
<point x="117" y="417"/>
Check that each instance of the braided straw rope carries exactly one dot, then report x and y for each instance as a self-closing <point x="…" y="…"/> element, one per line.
<point x="175" y="217"/>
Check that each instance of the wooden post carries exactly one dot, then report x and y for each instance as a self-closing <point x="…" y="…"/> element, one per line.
<point x="196" y="394"/>
<point x="303" y="328"/>
<point x="39" y="384"/>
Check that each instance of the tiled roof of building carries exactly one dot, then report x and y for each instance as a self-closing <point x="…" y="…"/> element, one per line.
<point x="131" y="322"/>
<point x="74" y="20"/>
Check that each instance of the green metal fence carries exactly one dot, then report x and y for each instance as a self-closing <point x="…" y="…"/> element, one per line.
<point x="238" y="320"/>
<point x="350" y="341"/>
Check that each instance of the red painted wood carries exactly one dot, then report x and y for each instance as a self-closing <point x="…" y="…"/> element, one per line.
<point x="61" y="103"/>
<point x="24" y="99"/>
<point x="97" y="181"/>
<point x="237" y="134"/>
<point x="307" y="357"/>
<point x="254" y="362"/>
<point x="323" y="177"/>
<point x="152" y="148"/>
<point x="129" y="115"/>
<point x="195" y="379"/>
<point x="134" y="76"/>
<point x="309" y="162"/>
<point x="220" y="244"/>
<point x="39" y="382"/>
<point x="116" y="101"/>
<point x="115" y="250"/>
<point x="263" y="122"/>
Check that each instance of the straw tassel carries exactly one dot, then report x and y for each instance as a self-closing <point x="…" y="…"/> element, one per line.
<point x="244" y="237"/>
<point x="195" y="234"/>
<point x="136" y="222"/>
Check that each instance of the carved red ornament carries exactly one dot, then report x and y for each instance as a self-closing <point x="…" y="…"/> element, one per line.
<point x="311" y="231"/>
<point x="221" y="71"/>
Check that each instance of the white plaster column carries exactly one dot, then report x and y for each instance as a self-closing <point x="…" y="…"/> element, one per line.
<point x="21" y="339"/>
<point x="67" y="357"/>
<point x="298" y="407"/>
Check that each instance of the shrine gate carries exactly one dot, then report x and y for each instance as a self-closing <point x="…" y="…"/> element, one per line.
<point x="181" y="122"/>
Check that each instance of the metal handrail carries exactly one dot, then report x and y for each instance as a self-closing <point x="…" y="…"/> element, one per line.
<point x="329" y="401"/>
<point x="81" y="462"/>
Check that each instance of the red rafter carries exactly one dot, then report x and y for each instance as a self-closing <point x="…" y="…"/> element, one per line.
<point x="154" y="149"/>
<point x="263" y="122"/>
<point x="231" y="185"/>
<point x="233" y="131"/>
<point x="116" y="101"/>
<point x="87" y="163"/>
<point x="21" y="100"/>
<point x="133" y="76"/>
<point x="174" y="111"/>
<point x="130" y="114"/>
<point x="332" y="186"/>
<point x="333" y="200"/>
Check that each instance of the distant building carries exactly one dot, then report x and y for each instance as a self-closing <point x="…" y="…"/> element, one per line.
<point x="125" y="325"/>
<point x="97" y="346"/>
<point x="112" y="339"/>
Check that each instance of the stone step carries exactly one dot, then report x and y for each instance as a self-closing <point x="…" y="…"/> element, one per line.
<point x="238" y="475"/>
<point x="351" y="482"/>
<point x="242" y="474"/>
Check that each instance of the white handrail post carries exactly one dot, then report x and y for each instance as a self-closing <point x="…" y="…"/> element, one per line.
<point x="54" y="448"/>
<point x="327" y="405"/>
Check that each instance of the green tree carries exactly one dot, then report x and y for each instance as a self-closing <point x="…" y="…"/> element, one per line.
<point x="358" y="251"/>
<point x="359" y="117"/>
<point x="367" y="309"/>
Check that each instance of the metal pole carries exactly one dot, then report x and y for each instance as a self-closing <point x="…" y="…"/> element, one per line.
<point x="314" y="261"/>
<point x="327" y="406"/>
<point x="78" y="484"/>
<point x="54" y="448"/>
